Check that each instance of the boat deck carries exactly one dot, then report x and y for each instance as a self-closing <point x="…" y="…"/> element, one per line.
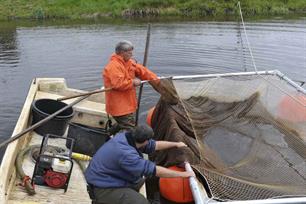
<point x="76" y="192"/>
<point x="90" y="112"/>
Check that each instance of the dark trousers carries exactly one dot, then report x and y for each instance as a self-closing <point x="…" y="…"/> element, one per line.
<point x="118" y="196"/>
<point x="124" y="122"/>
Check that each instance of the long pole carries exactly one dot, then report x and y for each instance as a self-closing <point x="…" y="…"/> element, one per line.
<point x="145" y="58"/>
<point x="84" y="94"/>
<point x="15" y="137"/>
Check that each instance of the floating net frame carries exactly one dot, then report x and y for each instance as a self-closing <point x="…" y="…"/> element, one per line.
<point x="247" y="87"/>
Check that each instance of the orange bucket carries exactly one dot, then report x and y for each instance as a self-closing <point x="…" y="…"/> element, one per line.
<point x="176" y="189"/>
<point x="149" y="116"/>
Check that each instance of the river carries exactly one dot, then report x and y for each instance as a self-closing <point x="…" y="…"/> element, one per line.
<point x="78" y="52"/>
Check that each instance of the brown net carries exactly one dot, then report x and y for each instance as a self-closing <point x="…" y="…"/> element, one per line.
<point x="245" y="134"/>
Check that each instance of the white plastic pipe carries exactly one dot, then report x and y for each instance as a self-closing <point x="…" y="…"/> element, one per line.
<point x="224" y="75"/>
<point x="215" y="75"/>
<point x="298" y="200"/>
<point x="272" y="72"/>
<point x="289" y="81"/>
<point x="194" y="186"/>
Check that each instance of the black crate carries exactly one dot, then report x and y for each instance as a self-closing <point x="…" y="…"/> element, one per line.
<point x="87" y="140"/>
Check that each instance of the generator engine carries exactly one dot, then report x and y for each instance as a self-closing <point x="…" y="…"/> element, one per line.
<point x="54" y="164"/>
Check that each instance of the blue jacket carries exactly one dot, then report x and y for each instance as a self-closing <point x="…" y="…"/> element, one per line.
<point x="118" y="164"/>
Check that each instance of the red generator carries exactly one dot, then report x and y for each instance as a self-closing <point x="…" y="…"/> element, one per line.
<point x="54" y="164"/>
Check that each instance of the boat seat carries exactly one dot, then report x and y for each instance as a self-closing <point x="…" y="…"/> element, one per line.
<point x="84" y="106"/>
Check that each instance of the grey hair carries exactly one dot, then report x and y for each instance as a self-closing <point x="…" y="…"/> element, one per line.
<point x="123" y="46"/>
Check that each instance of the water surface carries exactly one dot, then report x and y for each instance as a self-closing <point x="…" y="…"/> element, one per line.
<point x="78" y="52"/>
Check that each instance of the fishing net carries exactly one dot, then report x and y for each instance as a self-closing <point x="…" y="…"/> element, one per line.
<point x="245" y="134"/>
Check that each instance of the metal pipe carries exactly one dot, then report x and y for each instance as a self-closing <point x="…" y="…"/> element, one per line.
<point x="272" y="72"/>
<point x="298" y="200"/>
<point x="200" y="198"/>
<point x="145" y="59"/>
<point x="215" y="75"/>
<point x="197" y="196"/>
<point x="145" y="56"/>
<point x="289" y="81"/>
<point x="225" y="75"/>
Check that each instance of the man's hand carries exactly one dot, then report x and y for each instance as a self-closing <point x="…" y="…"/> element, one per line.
<point x="169" y="173"/>
<point x="136" y="82"/>
<point x="180" y="144"/>
<point x="188" y="174"/>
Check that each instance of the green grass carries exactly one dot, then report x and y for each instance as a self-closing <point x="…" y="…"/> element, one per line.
<point x="78" y="9"/>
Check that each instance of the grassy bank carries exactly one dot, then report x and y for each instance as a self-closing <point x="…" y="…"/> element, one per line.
<point x="79" y="9"/>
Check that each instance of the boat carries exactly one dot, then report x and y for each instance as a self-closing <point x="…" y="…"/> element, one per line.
<point x="214" y="171"/>
<point x="88" y="112"/>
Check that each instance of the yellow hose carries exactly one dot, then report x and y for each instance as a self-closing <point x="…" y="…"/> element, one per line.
<point x="82" y="157"/>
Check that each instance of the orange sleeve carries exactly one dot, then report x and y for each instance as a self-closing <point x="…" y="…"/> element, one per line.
<point x="144" y="73"/>
<point x="116" y="78"/>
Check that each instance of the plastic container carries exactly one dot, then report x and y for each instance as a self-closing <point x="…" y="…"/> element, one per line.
<point x="43" y="108"/>
<point x="87" y="140"/>
<point x="176" y="189"/>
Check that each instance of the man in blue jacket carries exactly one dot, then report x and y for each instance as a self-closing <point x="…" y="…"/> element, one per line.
<point x="118" y="166"/>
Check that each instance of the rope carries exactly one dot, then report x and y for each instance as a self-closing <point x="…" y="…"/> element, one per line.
<point x="246" y="36"/>
<point x="25" y="179"/>
<point x="253" y="61"/>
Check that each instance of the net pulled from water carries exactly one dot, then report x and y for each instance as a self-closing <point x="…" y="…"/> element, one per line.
<point x="245" y="134"/>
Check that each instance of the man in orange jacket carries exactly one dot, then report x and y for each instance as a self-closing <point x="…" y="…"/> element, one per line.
<point x="122" y="74"/>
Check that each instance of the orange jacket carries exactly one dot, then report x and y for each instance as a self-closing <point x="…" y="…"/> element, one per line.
<point x="119" y="75"/>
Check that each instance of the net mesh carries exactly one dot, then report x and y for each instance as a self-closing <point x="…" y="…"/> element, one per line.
<point x="245" y="134"/>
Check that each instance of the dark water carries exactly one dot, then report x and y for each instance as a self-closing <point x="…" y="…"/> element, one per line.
<point x="78" y="52"/>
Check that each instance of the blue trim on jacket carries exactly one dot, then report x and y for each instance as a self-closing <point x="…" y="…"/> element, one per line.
<point x="117" y="164"/>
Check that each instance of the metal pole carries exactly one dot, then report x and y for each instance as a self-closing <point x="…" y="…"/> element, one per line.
<point x="145" y="59"/>
<point x="289" y="81"/>
<point x="225" y="75"/>
<point x="272" y="72"/>
<point x="197" y="196"/>
<point x="297" y="200"/>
